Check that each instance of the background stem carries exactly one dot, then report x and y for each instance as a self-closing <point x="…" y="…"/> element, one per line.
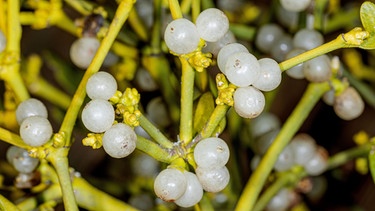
<point x="257" y="180"/>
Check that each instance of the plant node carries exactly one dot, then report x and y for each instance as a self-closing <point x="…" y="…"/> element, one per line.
<point x="226" y="90"/>
<point x="93" y="140"/>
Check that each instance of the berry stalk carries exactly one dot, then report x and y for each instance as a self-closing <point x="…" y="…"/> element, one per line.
<point x="154" y="132"/>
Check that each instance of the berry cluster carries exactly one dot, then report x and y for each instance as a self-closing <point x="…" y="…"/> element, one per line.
<point x="302" y="149"/>
<point x="35" y="129"/>
<point x="98" y="116"/>
<point x="20" y="159"/>
<point x="251" y="75"/>
<point x="183" y="36"/>
<point x="347" y="104"/>
<point x="273" y="40"/>
<point x="186" y="188"/>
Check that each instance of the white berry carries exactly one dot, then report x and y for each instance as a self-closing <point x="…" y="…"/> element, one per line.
<point x="193" y="193"/>
<point x="181" y="36"/>
<point x="101" y="85"/>
<point x="119" y="140"/>
<point x="170" y="184"/>
<point x="98" y="115"/>
<point x="30" y="107"/>
<point x="295" y="5"/>
<point x="270" y="75"/>
<point x="213" y="180"/>
<point x="349" y="104"/>
<point x="36" y="131"/>
<point x="83" y="51"/>
<point x="242" y="69"/>
<point x="212" y="24"/>
<point x="249" y="102"/>
<point x="211" y="153"/>
<point x="227" y="51"/>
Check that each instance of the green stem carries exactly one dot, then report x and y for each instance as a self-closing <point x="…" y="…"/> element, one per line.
<point x="138" y="26"/>
<point x="342" y="19"/>
<point x="155" y="133"/>
<point x="156" y="35"/>
<point x="154" y="150"/>
<point x="254" y="186"/>
<point x="121" y="15"/>
<point x="174" y="6"/>
<point x="59" y="160"/>
<point x="186" y="6"/>
<point x="243" y="31"/>
<point x="319" y="8"/>
<point x="83" y="7"/>
<point x="365" y="90"/>
<point x="159" y="68"/>
<point x="217" y="115"/>
<point x="187" y="96"/>
<point x="347" y="155"/>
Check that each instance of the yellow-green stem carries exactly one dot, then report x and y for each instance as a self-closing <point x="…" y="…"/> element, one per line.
<point x="186" y="6"/>
<point x="3" y="18"/>
<point x="347" y="155"/>
<point x="196" y="9"/>
<point x="121" y="15"/>
<point x="47" y="91"/>
<point x="52" y="193"/>
<point x="217" y="115"/>
<point x="59" y="160"/>
<point x="154" y="132"/>
<point x="319" y="15"/>
<point x="156" y="35"/>
<point x="12" y="138"/>
<point x="342" y="19"/>
<point x="14" y="31"/>
<point x="138" y="26"/>
<point x="323" y="49"/>
<point x="5" y="204"/>
<point x="82" y="7"/>
<point x="174" y="6"/>
<point x="90" y="198"/>
<point x="65" y="23"/>
<point x="14" y="27"/>
<point x="187" y="93"/>
<point x="257" y="180"/>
